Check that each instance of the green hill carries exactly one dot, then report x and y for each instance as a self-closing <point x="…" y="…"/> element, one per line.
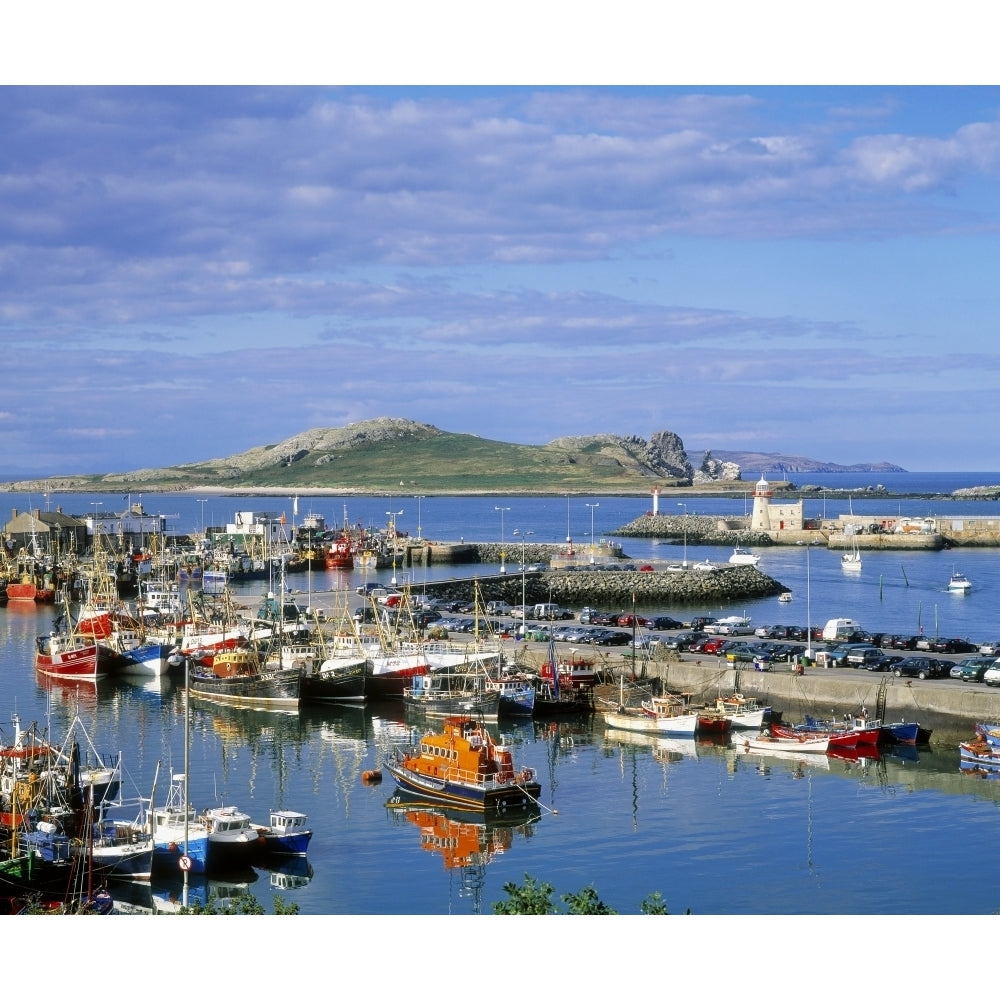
<point x="388" y="454"/>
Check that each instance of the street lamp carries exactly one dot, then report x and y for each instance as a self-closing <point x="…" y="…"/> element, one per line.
<point x="418" y="499"/>
<point x="524" y="612"/>
<point x="808" y="651"/>
<point x="503" y="568"/>
<point x="569" y="538"/>
<point x="392" y="515"/>
<point x="203" y="502"/>
<point x="685" y="562"/>
<point x="592" y="506"/>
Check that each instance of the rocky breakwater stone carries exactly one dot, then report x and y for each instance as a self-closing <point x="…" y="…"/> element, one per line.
<point x="616" y="587"/>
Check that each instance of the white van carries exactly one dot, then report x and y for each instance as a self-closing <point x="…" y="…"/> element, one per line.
<point x="547" y="612"/>
<point x="839" y="628"/>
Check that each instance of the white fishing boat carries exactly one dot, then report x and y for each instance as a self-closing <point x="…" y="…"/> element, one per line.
<point x="666" y="715"/>
<point x="959" y="583"/>
<point x="781" y="745"/>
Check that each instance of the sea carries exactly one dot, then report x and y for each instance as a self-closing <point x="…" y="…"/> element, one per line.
<point x="715" y="832"/>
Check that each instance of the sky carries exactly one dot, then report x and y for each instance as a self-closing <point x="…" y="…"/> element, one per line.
<point x="191" y="270"/>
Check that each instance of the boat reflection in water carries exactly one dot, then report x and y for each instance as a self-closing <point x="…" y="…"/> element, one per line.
<point x="466" y="842"/>
<point x="664" y="748"/>
<point x="291" y="872"/>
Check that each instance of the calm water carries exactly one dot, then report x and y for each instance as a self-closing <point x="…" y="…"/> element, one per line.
<point x="713" y="831"/>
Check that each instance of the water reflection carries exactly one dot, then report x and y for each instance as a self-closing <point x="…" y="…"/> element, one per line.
<point x="466" y="842"/>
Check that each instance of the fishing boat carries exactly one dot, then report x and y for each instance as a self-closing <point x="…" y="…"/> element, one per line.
<point x="664" y="715"/>
<point x="785" y="597"/>
<point x="446" y="694"/>
<point x="232" y="841"/>
<point x="743" y="712"/>
<point x="120" y="848"/>
<point x="778" y="744"/>
<point x="66" y="655"/>
<point x="843" y="739"/>
<point x="175" y="834"/>
<point x="517" y="694"/>
<point x="285" y="834"/>
<point x="908" y="733"/>
<point x="462" y="766"/>
<point x="237" y="677"/>
<point x="959" y="583"/>
<point x="866" y="731"/>
<point x="340" y="554"/>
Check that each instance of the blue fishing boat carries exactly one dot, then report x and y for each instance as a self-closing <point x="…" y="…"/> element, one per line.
<point x="286" y="834"/>
<point x="171" y="834"/>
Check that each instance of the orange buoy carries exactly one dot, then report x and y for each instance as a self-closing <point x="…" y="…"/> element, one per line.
<point x="371" y="777"/>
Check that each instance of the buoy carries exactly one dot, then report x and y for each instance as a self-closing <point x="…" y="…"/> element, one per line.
<point x="371" y="777"/>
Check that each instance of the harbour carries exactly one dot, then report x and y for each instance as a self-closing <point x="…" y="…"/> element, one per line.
<point x="715" y="830"/>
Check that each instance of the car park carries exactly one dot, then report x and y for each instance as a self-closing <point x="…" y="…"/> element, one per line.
<point x="921" y="667"/>
<point x="973" y="668"/>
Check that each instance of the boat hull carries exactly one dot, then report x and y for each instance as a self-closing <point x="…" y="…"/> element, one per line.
<point x="678" y="725"/>
<point x="338" y="683"/>
<point x="279" y="689"/>
<point x="459" y="795"/>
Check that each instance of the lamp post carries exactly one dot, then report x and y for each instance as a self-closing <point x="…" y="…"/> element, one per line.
<point x="203" y="502"/>
<point x="524" y="613"/>
<point x="808" y="651"/>
<point x="592" y="506"/>
<point x="419" y="529"/>
<point x="392" y="515"/>
<point x="685" y="562"/>
<point x="503" y="568"/>
<point x="569" y="538"/>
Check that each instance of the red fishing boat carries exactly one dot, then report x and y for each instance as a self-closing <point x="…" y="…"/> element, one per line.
<point x="340" y="554"/>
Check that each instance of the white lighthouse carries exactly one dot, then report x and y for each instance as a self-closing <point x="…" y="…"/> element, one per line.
<point x="656" y="500"/>
<point x="760" y="519"/>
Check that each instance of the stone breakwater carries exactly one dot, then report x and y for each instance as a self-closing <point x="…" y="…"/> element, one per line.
<point x="700" y="529"/>
<point x="612" y="589"/>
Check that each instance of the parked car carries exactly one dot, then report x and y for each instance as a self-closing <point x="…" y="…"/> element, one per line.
<point x="613" y="637"/>
<point x="973" y="668"/>
<point x="992" y="676"/>
<point x="683" y="641"/>
<point x="664" y="623"/>
<point x="918" y="666"/>
<point x="628" y="620"/>
<point x="772" y="632"/>
<point x="862" y="656"/>
<point x="886" y="662"/>
<point x="422" y="617"/>
<point x="990" y="647"/>
<point x="698" y="624"/>
<point x="837" y="656"/>
<point x="902" y="641"/>
<point x="498" y="608"/>
<point x="713" y="644"/>
<point x="939" y="645"/>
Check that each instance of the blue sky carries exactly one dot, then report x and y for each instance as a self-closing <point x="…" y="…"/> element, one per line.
<point x="187" y="272"/>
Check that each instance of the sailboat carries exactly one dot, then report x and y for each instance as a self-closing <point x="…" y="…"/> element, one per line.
<point x="850" y="562"/>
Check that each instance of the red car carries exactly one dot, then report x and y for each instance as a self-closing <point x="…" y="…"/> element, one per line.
<point x="627" y="621"/>
<point x="715" y="644"/>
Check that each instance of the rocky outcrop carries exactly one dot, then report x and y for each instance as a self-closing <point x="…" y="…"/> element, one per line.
<point x="713" y="471"/>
